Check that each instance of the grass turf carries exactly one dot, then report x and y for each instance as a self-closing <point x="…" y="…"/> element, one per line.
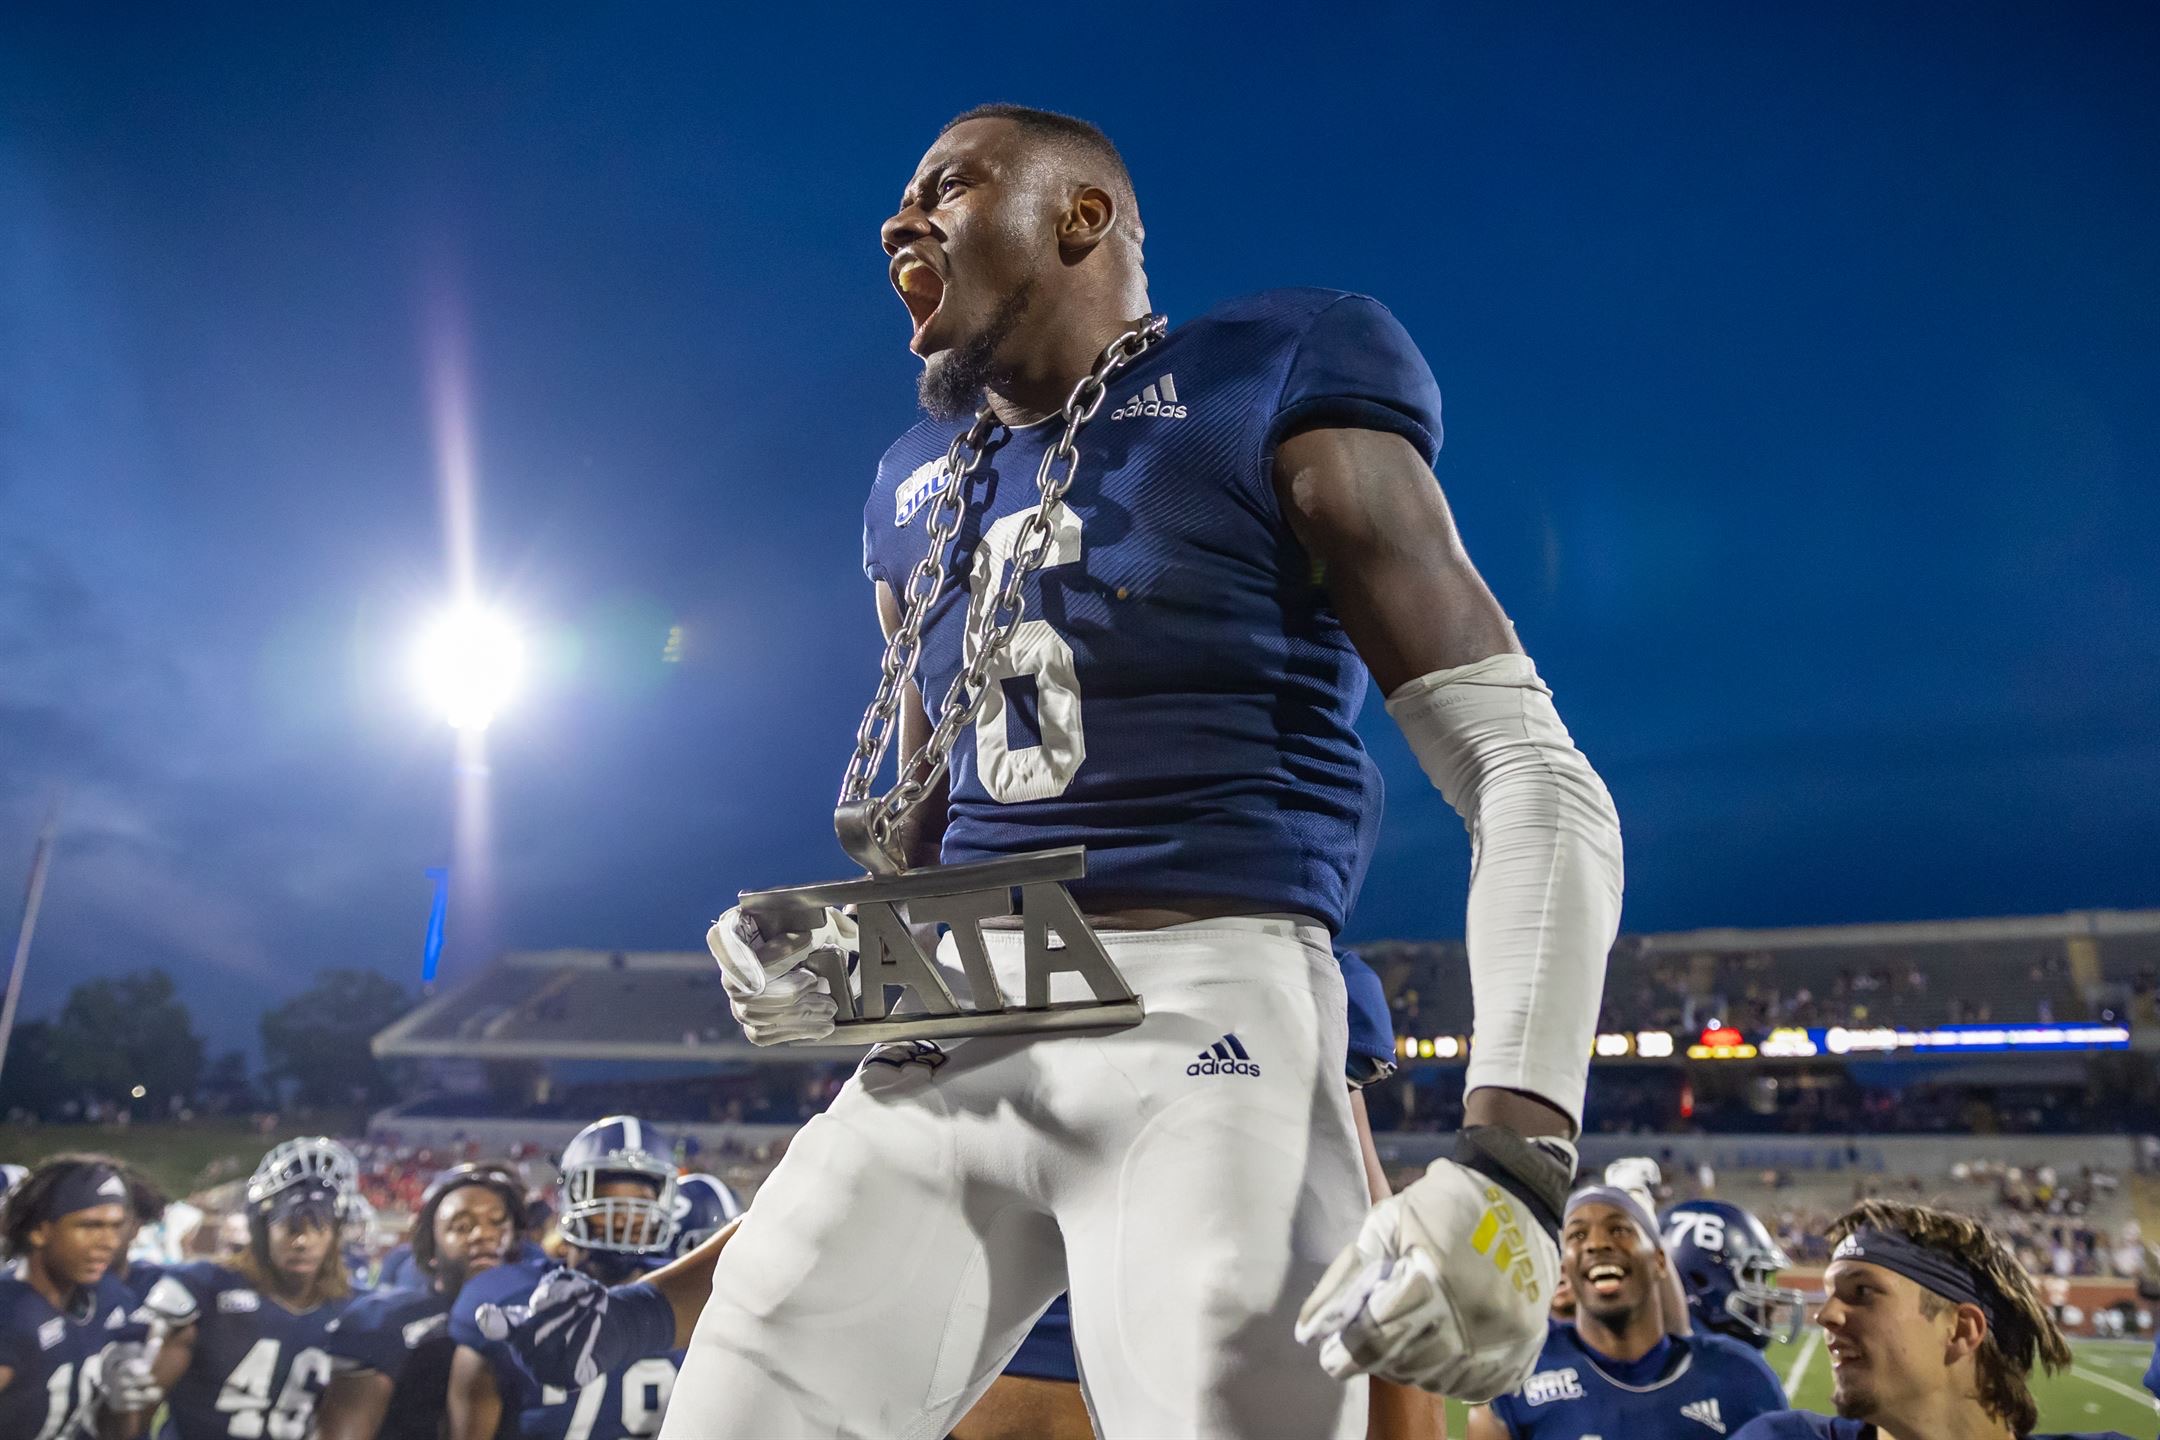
<point x="181" y="1158"/>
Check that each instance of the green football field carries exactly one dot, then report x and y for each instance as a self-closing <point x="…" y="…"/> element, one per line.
<point x="2101" y="1391"/>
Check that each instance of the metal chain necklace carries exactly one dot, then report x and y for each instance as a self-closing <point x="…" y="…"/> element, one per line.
<point x="993" y="617"/>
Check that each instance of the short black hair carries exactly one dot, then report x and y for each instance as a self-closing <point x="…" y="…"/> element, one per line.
<point x="1075" y="137"/>
<point x="23" y="1210"/>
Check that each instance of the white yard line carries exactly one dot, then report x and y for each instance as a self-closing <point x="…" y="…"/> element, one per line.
<point x="1800" y="1363"/>
<point x="2117" y="1386"/>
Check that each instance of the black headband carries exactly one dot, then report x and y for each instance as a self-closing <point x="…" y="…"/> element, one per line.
<point x="83" y="1187"/>
<point x="1925" y="1266"/>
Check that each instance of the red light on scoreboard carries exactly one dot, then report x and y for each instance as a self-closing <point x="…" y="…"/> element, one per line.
<point x="1725" y="1035"/>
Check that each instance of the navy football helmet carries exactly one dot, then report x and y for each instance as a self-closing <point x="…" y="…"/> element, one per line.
<point x="703" y="1203"/>
<point x="618" y="1148"/>
<point x="1726" y="1261"/>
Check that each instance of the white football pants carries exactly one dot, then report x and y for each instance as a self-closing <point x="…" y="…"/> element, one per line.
<point x="914" y="1231"/>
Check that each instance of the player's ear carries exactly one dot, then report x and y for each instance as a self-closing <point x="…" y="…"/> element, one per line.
<point x="1087" y="220"/>
<point x="1968" y="1327"/>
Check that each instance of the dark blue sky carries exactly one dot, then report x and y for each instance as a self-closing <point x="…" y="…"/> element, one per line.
<point x="1800" y="369"/>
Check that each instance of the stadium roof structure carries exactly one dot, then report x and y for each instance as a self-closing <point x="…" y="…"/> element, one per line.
<point x="653" y="1005"/>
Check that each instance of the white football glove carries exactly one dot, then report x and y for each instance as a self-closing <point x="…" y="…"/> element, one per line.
<point x="1447" y="1285"/>
<point x="775" y="996"/>
<point x="128" y="1384"/>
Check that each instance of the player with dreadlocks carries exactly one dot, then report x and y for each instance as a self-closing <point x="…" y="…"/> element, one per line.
<point x="247" y="1357"/>
<point x="73" y="1359"/>
<point x="391" y="1352"/>
<point x="1933" y="1330"/>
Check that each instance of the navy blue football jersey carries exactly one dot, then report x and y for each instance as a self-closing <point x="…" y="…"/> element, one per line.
<point x="56" y="1357"/>
<point x="1181" y="696"/>
<point x="620" y="1404"/>
<point x="1692" y="1384"/>
<point x="1804" y="1425"/>
<point x="404" y="1334"/>
<point x="259" y="1369"/>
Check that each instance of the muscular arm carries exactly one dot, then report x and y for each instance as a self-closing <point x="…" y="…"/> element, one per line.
<point x="922" y="832"/>
<point x="1367" y="509"/>
<point x="475" y="1401"/>
<point x="686" y="1282"/>
<point x="353" y="1406"/>
<point x="174" y="1357"/>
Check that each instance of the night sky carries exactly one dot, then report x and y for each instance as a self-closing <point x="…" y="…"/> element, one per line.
<point x="1800" y="366"/>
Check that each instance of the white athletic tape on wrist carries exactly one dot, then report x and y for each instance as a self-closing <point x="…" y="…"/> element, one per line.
<point x="1546" y="872"/>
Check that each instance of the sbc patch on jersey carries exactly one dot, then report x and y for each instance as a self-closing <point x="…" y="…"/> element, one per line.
<point x="238" y="1302"/>
<point x="917" y="489"/>
<point x="1547" y="1386"/>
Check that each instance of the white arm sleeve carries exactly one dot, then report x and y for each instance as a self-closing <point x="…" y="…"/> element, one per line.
<point x="1545" y="873"/>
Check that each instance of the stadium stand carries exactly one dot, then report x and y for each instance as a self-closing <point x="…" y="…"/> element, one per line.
<point x="2048" y="969"/>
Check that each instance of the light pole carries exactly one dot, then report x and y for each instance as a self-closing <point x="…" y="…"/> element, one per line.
<point x="40" y="862"/>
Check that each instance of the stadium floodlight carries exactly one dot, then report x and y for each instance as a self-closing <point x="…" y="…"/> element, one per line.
<point x="469" y="663"/>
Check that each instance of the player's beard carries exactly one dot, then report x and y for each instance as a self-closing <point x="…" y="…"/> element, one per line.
<point x="952" y="383"/>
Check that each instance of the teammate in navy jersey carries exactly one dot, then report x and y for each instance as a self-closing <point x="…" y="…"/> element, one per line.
<point x="391" y="1350"/>
<point x="617" y="1219"/>
<point x="1727" y="1261"/>
<point x="1932" y="1329"/>
<point x="1251" y="529"/>
<point x="72" y="1356"/>
<point x="249" y="1360"/>
<point x="1616" y="1371"/>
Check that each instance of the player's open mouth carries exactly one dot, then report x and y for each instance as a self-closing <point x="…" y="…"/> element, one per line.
<point x="921" y="289"/>
<point x="1605" y="1279"/>
<point x="1843" y="1355"/>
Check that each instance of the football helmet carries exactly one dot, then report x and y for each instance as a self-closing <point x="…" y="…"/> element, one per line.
<point x="311" y="1157"/>
<point x="703" y="1203"/>
<point x="1726" y="1261"/>
<point x="619" y="1147"/>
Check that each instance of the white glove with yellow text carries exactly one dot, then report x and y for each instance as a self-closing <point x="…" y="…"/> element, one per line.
<point x="775" y="996"/>
<point x="1447" y="1285"/>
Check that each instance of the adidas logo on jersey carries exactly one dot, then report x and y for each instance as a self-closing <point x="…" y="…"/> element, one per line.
<point x="1705" y="1411"/>
<point x="1225" y="1057"/>
<point x="1158" y="401"/>
<point x="51" y="1333"/>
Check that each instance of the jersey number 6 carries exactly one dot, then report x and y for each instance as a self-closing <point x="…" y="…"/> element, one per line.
<point x="1038" y="653"/>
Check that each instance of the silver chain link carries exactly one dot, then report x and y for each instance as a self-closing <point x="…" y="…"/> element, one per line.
<point x="992" y="620"/>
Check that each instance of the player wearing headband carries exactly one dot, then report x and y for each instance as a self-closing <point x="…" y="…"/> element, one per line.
<point x="251" y="1361"/>
<point x="391" y="1351"/>
<point x="1933" y="1330"/>
<point x="1617" y="1370"/>
<point x="73" y="1359"/>
<point x="618" y="1220"/>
